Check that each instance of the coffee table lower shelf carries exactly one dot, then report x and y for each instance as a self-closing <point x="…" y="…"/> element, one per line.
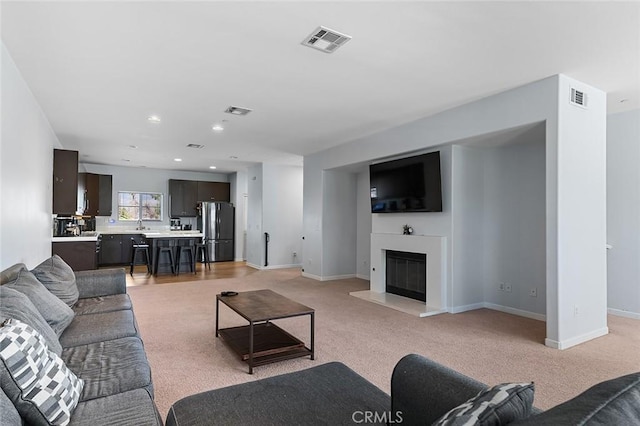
<point x="270" y="343"/>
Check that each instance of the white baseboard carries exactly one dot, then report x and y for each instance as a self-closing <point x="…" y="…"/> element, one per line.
<point x="337" y="277"/>
<point x="465" y="308"/>
<point x="329" y="277"/>
<point x="293" y="265"/>
<point x="514" y="311"/>
<point x="507" y="309"/>
<point x="363" y="277"/>
<point x="568" y="343"/>
<point x="312" y="276"/>
<point x="266" y="268"/>
<point x="621" y="313"/>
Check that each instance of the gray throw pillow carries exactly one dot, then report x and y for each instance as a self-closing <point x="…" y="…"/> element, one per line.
<point x="55" y="312"/>
<point x="58" y="278"/>
<point x="11" y="273"/>
<point x="16" y="305"/>
<point x="498" y="405"/>
<point x="8" y="413"/>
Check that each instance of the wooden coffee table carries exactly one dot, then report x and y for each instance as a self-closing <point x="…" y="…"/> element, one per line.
<point x="262" y="342"/>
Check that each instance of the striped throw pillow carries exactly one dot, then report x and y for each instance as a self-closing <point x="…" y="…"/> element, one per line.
<point x="498" y="405"/>
<point x="38" y="382"/>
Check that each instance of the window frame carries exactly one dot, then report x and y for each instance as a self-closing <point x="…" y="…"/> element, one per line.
<point x="140" y="208"/>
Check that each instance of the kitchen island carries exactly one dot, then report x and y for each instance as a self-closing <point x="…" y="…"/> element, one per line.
<point x="173" y="240"/>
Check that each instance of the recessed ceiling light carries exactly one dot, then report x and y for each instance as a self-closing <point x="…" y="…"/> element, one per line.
<point x="233" y="157"/>
<point x="177" y="159"/>
<point x="195" y="145"/>
<point x="237" y="110"/>
<point x="154" y="119"/>
<point x="623" y="100"/>
<point x="126" y="159"/>
<point x="217" y="128"/>
<point x="133" y="146"/>
<point x="213" y="167"/>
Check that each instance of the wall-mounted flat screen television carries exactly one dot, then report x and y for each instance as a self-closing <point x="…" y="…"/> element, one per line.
<point x="409" y="184"/>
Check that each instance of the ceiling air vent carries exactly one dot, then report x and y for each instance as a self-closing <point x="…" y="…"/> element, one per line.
<point x="195" y="145"/>
<point x="237" y="110"/>
<point x="325" y="39"/>
<point x="578" y="98"/>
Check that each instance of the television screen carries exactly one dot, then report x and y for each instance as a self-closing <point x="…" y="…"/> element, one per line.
<point x="406" y="185"/>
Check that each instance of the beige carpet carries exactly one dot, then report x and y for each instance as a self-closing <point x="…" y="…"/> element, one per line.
<point x="177" y="323"/>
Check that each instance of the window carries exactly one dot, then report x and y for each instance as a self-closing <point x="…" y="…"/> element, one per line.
<point x="139" y="206"/>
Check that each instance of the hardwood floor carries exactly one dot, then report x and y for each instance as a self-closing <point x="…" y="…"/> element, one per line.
<point x="218" y="270"/>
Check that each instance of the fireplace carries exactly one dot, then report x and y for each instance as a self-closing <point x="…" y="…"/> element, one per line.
<point x="433" y="248"/>
<point x="406" y="274"/>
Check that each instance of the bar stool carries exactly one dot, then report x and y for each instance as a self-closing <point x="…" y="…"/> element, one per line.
<point x="204" y="249"/>
<point x="139" y="248"/>
<point x="192" y="258"/>
<point x="169" y="251"/>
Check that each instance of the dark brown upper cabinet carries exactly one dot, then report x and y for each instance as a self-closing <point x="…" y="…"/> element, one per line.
<point x="214" y="191"/>
<point x="97" y="194"/>
<point x="65" y="181"/>
<point x="183" y="198"/>
<point x="184" y="195"/>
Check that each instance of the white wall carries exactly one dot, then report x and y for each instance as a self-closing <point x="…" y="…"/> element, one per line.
<point x="515" y="222"/>
<point x="282" y="214"/>
<point x="623" y="213"/>
<point x="363" y="225"/>
<point x="339" y="222"/>
<point x="571" y="191"/>
<point x="255" y="237"/>
<point x="275" y="207"/>
<point x="26" y="170"/>
<point x="239" y="198"/>
<point x="467" y="244"/>
<point x="579" y="296"/>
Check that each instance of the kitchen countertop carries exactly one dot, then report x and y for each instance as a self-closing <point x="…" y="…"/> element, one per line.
<point x="93" y="235"/>
<point x="70" y="239"/>
<point x="174" y="234"/>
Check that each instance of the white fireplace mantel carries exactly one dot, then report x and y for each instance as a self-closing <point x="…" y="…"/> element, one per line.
<point x="434" y="247"/>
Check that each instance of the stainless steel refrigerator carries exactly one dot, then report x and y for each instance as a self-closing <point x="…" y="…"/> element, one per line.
<point x="217" y="223"/>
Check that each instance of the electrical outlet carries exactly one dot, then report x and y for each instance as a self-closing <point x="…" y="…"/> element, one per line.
<point x="507" y="287"/>
<point x="295" y="254"/>
<point x="533" y="292"/>
<point x="500" y="286"/>
<point x="576" y="312"/>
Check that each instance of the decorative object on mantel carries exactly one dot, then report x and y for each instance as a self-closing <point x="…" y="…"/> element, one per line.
<point x="407" y="230"/>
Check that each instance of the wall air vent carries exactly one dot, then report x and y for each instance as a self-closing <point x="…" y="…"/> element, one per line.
<point x="195" y="145"/>
<point x="326" y="40"/>
<point x="578" y="98"/>
<point x="237" y="110"/>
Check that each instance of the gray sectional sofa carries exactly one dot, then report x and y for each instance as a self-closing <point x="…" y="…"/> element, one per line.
<point x="93" y="331"/>
<point x="422" y="392"/>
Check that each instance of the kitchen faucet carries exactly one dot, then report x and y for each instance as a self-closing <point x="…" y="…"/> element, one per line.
<point x="140" y="227"/>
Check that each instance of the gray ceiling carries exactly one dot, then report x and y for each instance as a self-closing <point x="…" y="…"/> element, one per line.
<point x="99" y="69"/>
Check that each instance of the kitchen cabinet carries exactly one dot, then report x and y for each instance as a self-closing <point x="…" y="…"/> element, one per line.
<point x="214" y="191"/>
<point x="183" y="198"/>
<point x="97" y="194"/>
<point x="65" y="181"/>
<point x="79" y="255"/>
<point x="116" y="249"/>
